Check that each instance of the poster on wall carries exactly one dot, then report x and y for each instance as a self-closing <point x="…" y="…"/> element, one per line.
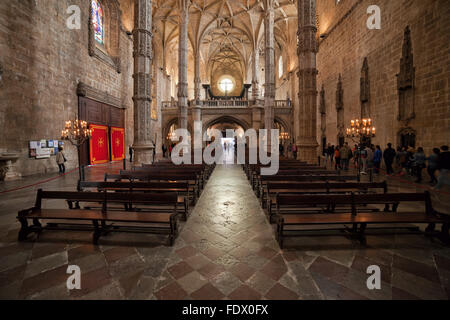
<point x="40" y="149"/>
<point x="99" y="144"/>
<point x="117" y="143"/>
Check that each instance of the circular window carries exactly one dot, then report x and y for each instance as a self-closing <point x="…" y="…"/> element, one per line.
<point x="226" y="84"/>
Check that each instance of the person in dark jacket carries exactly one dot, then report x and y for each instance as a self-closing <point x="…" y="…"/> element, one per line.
<point x="433" y="165"/>
<point x="418" y="163"/>
<point x="377" y="156"/>
<point x="389" y="156"/>
<point x="130" y="151"/>
<point x="443" y="167"/>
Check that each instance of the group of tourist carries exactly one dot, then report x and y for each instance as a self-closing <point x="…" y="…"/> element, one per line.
<point x="403" y="161"/>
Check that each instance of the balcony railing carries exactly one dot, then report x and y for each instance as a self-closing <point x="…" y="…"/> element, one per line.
<point x="225" y="104"/>
<point x="282" y="103"/>
<point x="169" y="104"/>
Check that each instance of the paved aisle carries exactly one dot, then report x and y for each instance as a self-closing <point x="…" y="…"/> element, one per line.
<point x="227" y="247"/>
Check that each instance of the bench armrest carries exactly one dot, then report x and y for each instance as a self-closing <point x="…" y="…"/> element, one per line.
<point x="25" y="212"/>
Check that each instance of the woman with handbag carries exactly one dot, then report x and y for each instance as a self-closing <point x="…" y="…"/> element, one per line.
<point x="60" y="159"/>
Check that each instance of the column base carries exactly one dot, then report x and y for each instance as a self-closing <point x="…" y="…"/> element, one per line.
<point x="307" y="152"/>
<point x="143" y="154"/>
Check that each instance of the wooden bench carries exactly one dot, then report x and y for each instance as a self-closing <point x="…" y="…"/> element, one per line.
<point x="256" y="177"/>
<point x="131" y="176"/>
<point x="164" y="222"/>
<point x="170" y="170"/>
<point x="206" y="169"/>
<point x="263" y="180"/>
<point x="180" y="188"/>
<point x="358" y="220"/>
<point x="293" y="188"/>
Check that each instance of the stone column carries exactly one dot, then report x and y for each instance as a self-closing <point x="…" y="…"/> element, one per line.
<point x="183" y="7"/>
<point x="269" y="95"/>
<point x="197" y="79"/>
<point x="255" y="81"/>
<point x="142" y="76"/>
<point x="307" y="93"/>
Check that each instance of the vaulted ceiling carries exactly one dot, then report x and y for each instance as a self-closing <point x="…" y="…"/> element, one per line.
<point x="218" y="26"/>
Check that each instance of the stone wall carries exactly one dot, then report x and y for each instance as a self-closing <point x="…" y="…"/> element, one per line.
<point x="43" y="61"/>
<point x="348" y="41"/>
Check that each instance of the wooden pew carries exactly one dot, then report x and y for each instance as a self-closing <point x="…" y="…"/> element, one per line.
<point x="174" y="170"/>
<point x="190" y="177"/>
<point x="181" y="188"/>
<point x="164" y="222"/>
<point x="274" y="188"/>
<point x="263" y="180"/>
<point x="256" y="177"/>
<point x="358" y="220"/>
<point x="255" y="169"/>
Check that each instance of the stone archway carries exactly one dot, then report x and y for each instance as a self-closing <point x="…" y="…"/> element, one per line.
<point x="226" y="119"/>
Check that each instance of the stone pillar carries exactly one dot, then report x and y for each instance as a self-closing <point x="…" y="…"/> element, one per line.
<point x="183" y="8"/>
<point x="307" y="74"/>
<point x="142" y="76"/>
<point x="255" y="81"/>
<point x="269" y="95"/>
<point x="197" y="79"/>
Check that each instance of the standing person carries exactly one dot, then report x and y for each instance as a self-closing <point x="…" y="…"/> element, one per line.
<point x="281" y="149"/>
<point x="389" y="156"/>
<point x="370" y="154"/>
<point x="410" y="160"/>
<point x="337" y="158"/>
<point x="355" y="156"/>
<point x="443" y="167"/>
<point x="331" y="151"/>
<point x="294" y="151"/>
<point x="363" y="159"/>
<point x="327" y="154"/>
<point x="130" y="151"/>
<point x="418" y="163"/>
<point x="60" y="159"/>
<point x="433" y="165"/>
<point x="377" y="159"/>
<point x="164" y="150"/>
<point x="344" y="154"/>
<point x="402" y="158"/>
<point x="289" y="150"/>
<point x="170" y="150"/>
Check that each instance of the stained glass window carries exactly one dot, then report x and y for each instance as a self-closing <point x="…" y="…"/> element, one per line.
<point x="97" y="21"/>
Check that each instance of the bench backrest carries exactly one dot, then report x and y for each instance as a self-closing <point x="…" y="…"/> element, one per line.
<point x="163" y="169"/>
<point x="354" y="199"/>
<point x="300" y="178"/>
<point x="272" y="187"/>
<point x="283" y="172"/>
<point x="105" y="197"/>
<point x="146" y="176"/>
<point x="172" y="186"/>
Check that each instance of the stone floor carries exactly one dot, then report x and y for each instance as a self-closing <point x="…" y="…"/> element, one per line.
<point x="226" y="250"/>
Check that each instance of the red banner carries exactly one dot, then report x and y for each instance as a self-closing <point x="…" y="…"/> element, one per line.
<point x="117" y="143"/>
<point x="99" y="144"/>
